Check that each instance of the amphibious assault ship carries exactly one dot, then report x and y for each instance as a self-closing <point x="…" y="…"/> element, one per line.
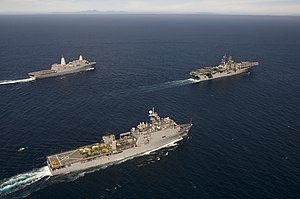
<point x="227" y="67"/>
<point x="63" y="68"/>
<point x="145" y="138"/>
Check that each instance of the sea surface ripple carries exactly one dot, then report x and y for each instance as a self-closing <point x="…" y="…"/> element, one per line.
<point x="245" y="139"/>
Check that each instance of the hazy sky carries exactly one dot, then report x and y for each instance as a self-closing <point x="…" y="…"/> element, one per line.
<point x="268" y="7"/>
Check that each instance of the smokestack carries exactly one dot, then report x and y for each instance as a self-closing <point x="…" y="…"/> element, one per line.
<point x="62" y="61"/>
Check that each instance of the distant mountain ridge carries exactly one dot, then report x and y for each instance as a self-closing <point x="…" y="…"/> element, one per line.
<point x="126" y="12"/>
<point x="97" y="12"/>
<point x="92" y="12"/>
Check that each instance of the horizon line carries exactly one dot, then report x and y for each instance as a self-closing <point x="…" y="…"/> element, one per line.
<point x="120" y="12"/>
<point x="145" y="13"/>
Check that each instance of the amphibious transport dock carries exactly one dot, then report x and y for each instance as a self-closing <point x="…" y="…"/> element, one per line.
<point x="146" y="137"/>
<point x="227" y="67"/>
<point x="64" y="69"/>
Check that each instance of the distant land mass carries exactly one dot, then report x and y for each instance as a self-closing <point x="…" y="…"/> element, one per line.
<point x="94" y="12"/>
<point x="97" y="12"/>
<point x="126" y="12"/>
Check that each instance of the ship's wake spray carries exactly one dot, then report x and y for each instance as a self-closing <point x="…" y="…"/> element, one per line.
<point x="24" y="184"/>
<point x="166" y="85"/>
<point x="149" y="88"/>
<point x="155" y="87"/>
<point x="21" y="181"/>
<point x="3" y="82"/>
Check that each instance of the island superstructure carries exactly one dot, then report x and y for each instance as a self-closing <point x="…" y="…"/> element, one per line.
<point x="63" y="68"/>
<point x="227" y="67"/>
<point x="146" y="137"/>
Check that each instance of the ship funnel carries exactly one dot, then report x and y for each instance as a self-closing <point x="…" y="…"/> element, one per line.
<point x="80" y="58"/>
<point x="62" y="61"/>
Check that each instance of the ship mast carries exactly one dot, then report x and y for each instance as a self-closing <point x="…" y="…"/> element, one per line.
<point x="62" y="61"/>
<point x="223" y="62"/>
<point x="154" y="118"/>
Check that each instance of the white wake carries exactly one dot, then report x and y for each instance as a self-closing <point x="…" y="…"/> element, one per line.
<point x="171" y="144"/>
<point x="180" y="82"/>
<point x="166" y="85"/>
<point x="3" y="82"/>
<point x="20" y="181"/>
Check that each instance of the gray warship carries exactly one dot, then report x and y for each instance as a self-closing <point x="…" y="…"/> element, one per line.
<point x="227" y="67"/>
<point x="143" y="139"/>
<point x="63" y="68"/>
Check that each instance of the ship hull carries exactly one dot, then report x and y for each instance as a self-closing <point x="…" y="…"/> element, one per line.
<point x="156" y="143"/>
<point x="201" y="78"/>
<point x="51" y="73"/>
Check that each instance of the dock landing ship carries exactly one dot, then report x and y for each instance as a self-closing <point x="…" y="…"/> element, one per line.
<point x="146" y="137"/>
<point x="64" y="69"/>
<point x="227" y="67"/>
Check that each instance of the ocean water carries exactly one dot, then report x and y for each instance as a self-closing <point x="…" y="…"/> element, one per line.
<point x="246" y="134"/>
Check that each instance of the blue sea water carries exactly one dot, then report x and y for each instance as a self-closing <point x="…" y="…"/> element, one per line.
<point x="246" y="134"/>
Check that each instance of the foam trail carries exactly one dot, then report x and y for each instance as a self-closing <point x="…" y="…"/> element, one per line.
<point x="166" y="85"/>
<point x="171" y="144"/>
<point x="23" y="180"/>
<point x="21" y="149"/>
<point x="3" y="82"/>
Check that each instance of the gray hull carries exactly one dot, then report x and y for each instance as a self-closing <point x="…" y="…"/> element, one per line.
<point x="50" y="73"/>
<point x="220" y="75"/>
<point x="159" y="140"/>
<point x="228" y="67"/>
